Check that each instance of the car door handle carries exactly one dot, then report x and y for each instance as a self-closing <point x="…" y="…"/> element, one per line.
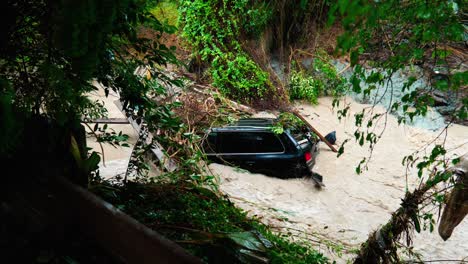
<point x="250" y="162"/>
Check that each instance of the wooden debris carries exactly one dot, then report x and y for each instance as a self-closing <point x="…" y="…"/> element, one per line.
<point x="143" y="135"/>
<point x="109" y="121"/>
<point x="234" y="105"/>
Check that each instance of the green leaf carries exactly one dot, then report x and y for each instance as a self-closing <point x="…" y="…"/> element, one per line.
<point x="91" y="164"/>
<point x="354" y="57"/>
<point x="247" y="240"/>
<point x="417" y="225"/>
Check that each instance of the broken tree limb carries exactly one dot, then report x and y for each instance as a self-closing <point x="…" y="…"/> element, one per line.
<point x="109" y="121"/>
<point x="232" y="104"/>
<point x="147" y="137"/>
<point x="380" y="246"/>
<point x="295" y="112"/>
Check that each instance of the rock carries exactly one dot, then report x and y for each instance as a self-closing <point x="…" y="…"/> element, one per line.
<point x="439" y="97"/>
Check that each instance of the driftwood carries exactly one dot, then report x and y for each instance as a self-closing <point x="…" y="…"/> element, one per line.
<point x="456" y="207"/>
<point x="295" y="112"/>
<point x="147" y="137"/>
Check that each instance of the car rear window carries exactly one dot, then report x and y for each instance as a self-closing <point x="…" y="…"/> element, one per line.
<point x="235" y="143"/>
<point x="298" y="135"/>
<point x="268" y="142"/>
<point x="249" y="142"/>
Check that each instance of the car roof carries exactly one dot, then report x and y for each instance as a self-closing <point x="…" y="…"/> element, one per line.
<point x="248" y="124"/>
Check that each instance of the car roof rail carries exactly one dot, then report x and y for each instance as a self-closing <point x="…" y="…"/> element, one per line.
<point x="227" y="128"/>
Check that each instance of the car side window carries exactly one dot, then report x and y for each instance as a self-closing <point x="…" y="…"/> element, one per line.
<point x="237" y="142"/>
<point x="249" y="142"/>
<point x="268" y="142"/>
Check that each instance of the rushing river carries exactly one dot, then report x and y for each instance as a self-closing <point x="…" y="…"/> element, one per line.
<point x="351" y="205"/>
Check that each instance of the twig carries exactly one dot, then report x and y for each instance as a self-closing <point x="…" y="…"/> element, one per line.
<point x="100" y="144"/>
<point x="344" y="69"/>
<point x="438" y="260"/>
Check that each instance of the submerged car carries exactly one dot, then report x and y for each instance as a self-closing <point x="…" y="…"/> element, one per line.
<point x="253" y="144"/>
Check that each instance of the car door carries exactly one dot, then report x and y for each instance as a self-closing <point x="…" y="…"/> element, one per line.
<point x="271" y="156"/>
<point x="236" y="148"/>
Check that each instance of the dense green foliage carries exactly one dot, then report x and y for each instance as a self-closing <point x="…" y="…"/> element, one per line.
<point x="303" y="86"/>
<point x="239" y="77"/>
<point x="201" y="221"/>
<point x="51" y="51"/>
<point x="214" y="29"/>
<point x="290" y="121"/>
<point x="166" y="11"/>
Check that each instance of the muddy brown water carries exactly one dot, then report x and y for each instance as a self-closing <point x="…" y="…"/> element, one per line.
<point x="351" y="205"/>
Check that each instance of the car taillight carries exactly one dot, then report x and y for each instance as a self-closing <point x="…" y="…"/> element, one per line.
<point x="307" y="156"/>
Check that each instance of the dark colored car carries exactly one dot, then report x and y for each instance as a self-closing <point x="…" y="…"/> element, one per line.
<point x="252" y="145"/>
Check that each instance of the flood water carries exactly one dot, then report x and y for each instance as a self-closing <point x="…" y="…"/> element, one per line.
<point x="351" y="205"/>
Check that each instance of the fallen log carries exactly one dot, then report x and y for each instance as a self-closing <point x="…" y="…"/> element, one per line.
<point x="233" y="105"/>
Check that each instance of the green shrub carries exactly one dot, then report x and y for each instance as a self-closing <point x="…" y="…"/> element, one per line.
<point x="214" y="28"/>
<point x="166" y="11"/>
<point x="177" y="210"/>
<point x="323" y="79"/>
<point x="333" y="83"/>
<point x="304" y="87"/>
<point x="239" y="77"/>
